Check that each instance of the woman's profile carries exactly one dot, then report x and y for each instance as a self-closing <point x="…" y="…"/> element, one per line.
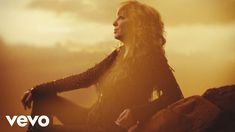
<point x="125" y="80"/>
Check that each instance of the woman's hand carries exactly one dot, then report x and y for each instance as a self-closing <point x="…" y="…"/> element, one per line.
<point x="126" y="119"/>
<point x="27" y="99"/>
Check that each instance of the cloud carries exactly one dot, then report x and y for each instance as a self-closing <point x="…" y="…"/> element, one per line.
<point x="174" y="12"/>
<point x="181" y="12"/>
<point x="101" y="11"/>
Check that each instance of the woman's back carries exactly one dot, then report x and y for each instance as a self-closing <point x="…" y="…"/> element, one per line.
<point x="130" y="82"/>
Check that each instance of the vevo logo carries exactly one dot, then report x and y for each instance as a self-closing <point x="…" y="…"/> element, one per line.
<point x="22" y="120"/>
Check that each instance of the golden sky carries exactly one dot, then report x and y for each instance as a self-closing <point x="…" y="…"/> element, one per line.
<point x="200" y="33"/>
<point x="47" y="22"/>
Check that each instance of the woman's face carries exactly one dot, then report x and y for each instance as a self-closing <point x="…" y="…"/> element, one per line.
<point x="120" y="26"/>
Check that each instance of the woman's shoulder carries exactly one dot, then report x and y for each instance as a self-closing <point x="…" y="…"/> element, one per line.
<point x="116" y="51"/>
<point x="112" y="55"/>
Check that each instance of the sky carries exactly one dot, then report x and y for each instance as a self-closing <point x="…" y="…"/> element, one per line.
<point x="49" y="22"/>
<point x="200" y="33"/>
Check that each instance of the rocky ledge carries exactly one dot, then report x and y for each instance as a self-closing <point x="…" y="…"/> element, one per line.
<point x="214" y="111"/>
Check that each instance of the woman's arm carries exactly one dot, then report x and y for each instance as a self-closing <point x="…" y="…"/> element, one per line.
<point x="170" y="92"/>
<point x="81" y="80"/>
<point x="144" y="112"/>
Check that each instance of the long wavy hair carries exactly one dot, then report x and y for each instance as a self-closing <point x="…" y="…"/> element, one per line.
<point x="146" y="28"/>
<point x="138" y="68"/>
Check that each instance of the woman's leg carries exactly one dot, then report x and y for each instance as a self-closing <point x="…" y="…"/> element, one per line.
<point x="71" y="115"/>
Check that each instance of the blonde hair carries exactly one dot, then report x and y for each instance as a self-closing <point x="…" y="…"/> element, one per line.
<point x="146" y="46"/>
<point x="147" y="28"/>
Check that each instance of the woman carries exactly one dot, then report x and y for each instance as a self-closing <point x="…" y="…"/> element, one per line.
<point x="125" y="80"/>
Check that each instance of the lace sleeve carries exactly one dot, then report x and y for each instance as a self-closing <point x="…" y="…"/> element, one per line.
<point x="77" y="81"/>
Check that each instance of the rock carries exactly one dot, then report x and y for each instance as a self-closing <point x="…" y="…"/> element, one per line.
<point x="224" y="98"/>
<point x="192" y="114"/>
